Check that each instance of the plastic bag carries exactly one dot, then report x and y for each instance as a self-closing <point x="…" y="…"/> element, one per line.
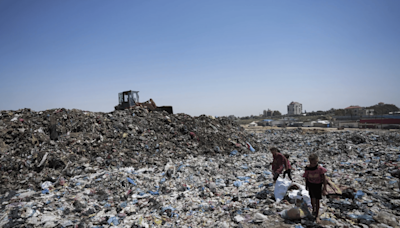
<point x="46" y="185"/>
<point x="131" y="181"/>
<point x="281" y="187"/>
<point x="302" y="194"/>
<point x="250" y="147"/>
<point x="237" y="183"/>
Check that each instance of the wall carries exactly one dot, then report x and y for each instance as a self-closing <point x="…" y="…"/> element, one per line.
<point x="348" y="124"/>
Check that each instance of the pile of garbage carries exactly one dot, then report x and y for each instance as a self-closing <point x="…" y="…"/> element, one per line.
<point x="74" y="142"/>
<point x="134" y="168"/>
<point x="363" y="168"/>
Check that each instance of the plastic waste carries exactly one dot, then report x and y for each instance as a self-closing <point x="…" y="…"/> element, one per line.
<point x="301" y="194"/>
<point x="239" y="218"/>
<point x="234" y="152"/>
<point x="250" y="147"/>
<point x="46" y="185"/>
<point x="258" y="217"/>
<point x="237" y="183"/>
<point x="359" y="194"/>
<point x="113" y="221"/>
<point x="281" y="187"/>
<point x="131" y="181"/>
<point x="189" y="171"/>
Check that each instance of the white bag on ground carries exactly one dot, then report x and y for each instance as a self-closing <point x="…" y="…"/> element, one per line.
<point x="281" y="187"/>
<point x="302" y="193"/>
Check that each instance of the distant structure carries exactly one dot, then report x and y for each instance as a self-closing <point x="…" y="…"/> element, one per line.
<point x="355" y="110"/>
<point x="368" y="112"/>
<point x="268" y="113"/>
<point x="253" y="124"/>
<point x="294" y="108"/>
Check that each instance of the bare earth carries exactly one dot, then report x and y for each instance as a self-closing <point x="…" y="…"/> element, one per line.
<point x="260" y="129"/>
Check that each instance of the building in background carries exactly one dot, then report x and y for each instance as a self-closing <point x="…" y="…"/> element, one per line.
<point x="265" y="122"/>
<point x="268" y="113"/>
<point x="380" y="123"/>
<point x="294" y="108"/>
<point x="265" y="113"/>
<point x="355" y="110"/>
<point x="368" y="112"/>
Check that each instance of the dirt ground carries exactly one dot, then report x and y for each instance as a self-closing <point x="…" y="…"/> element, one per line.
<point x="260" y="129"/>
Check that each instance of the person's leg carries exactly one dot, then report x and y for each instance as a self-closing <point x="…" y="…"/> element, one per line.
<point x="290" y="174"/>
<point x="317" y="211"/>
<point x="276" y="175"/>
<point x="284" y="174"/>
<point x="313" y="205"/>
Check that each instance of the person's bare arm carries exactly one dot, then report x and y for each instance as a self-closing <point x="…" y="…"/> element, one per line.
<point x="305" y="181"/>
<point x="324" y="184"/>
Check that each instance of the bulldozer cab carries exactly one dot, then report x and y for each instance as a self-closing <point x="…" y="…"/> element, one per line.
<point x="128" y="99"/>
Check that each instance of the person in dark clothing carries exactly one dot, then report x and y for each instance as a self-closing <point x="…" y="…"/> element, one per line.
<point x="279" y="163"/>
<point x="288" y="170"/>
<point x="315" y="183"/>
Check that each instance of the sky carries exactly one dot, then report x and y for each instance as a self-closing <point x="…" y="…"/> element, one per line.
<point x="220" y="58"/>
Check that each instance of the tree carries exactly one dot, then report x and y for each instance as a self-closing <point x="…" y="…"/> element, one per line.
<point x="384" y="109"/>
<point x="339" y="112"/>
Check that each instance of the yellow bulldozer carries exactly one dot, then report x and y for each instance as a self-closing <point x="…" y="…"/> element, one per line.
<point x="130" y="99"/>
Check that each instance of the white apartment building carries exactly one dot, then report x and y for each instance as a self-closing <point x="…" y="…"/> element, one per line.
<point x="294" y="108"/>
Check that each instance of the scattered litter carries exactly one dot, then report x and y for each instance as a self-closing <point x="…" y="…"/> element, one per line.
<point x="135" y="168"/>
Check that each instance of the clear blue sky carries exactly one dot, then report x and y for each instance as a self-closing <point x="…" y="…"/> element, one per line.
<point x="201" y="57"/>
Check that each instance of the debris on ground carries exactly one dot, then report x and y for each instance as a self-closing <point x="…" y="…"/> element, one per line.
<point x="134" y="168"/>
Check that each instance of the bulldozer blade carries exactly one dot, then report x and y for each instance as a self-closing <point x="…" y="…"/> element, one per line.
<point x="165" y="108"/>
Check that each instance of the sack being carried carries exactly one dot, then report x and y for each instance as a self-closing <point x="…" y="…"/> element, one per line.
<point x="281" y="187"/>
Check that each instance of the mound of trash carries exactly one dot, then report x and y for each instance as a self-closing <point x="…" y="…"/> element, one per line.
<point x="36" y="146"/>
<point x="134" y="168"/>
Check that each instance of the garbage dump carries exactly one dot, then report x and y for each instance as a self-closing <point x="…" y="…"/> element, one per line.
<point x="134" y="168"/>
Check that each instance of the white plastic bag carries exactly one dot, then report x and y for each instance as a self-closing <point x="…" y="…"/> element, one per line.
<point x="258" y="217"/>
<point x="46" y="185"/>
<point x="281" y="187"/>
<point x="302" y="193"/>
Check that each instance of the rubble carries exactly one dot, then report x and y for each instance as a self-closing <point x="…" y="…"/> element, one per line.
<point x="134" y="168"/>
